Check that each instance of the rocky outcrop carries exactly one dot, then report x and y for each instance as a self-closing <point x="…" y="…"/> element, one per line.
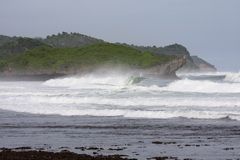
<point x="196" y="64"/>
<point x="203" y="66"/>
<point x="193" y="63"/>
<point x="169" y="69"/>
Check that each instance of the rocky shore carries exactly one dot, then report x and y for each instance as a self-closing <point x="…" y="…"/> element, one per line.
<point x="26" y="153"/>
<point x="9" y="154"/>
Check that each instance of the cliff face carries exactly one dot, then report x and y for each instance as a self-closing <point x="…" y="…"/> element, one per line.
<point x="193" y="63"/>
<point x="168" y="69"/>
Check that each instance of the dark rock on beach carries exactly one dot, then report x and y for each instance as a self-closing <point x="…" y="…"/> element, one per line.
<point x="42" y="155"/>
<point x="164" y="143"/>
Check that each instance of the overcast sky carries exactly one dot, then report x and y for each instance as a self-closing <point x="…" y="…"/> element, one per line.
<point x="208" y="28"/>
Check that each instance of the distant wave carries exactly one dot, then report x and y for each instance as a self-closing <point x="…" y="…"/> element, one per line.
<point x="203" y="74"/>
<point x="203" y="86"/>
<point x="232" y="77"/>
<point x="192" y="86"/>
<point x="228" y="76"/>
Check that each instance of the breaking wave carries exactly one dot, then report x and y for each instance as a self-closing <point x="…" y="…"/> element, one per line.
<point x="232" y="77"/>
<point x="116" y="82"/>
<point x="204" y="86"/>
<point x="94" y="81"/>
<point x="125" y="95"/>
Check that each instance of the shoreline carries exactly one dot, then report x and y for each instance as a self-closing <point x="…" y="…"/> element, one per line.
<point x="11" y="154"/>
<point x="27" y="153"/>
<point x="146" y="139"/>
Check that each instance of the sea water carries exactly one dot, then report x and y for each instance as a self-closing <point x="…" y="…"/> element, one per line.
<point x="150" y="106"/>
<point x="200" y="96"/>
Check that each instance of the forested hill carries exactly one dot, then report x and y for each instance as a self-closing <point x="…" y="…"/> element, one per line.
<point x="12" y="47"/>
<point x="70" y="40"/>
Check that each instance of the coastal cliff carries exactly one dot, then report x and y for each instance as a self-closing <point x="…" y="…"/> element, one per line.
<point x="74" y="53"/>
<point x="193" y="63"/>
<point x="48" y="60"/>
<point x="168" y="69"/>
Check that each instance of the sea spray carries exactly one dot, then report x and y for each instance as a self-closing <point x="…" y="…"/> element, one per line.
<point x="111" y="81"/>
<point x="202" y="86"/>
<point x="232" y="77"/>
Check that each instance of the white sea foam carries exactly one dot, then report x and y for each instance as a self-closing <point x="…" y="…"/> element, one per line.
<point x="70" y="111"/>
<point x="193" y="86"/>
<point x="202" y="86"/>
<point x="232" y="77"/>
<point x="123" y="81"/>
<point x="91" y="81"/>
<point x="84" y="96"/>
<point x="140" y="101"/>
<point x="198" y="74"/>
<point x="229" y="76"/>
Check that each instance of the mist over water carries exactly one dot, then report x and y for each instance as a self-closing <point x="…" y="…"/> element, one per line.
<point x="200" y="96"/>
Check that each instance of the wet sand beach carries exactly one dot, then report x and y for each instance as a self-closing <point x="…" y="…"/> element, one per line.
<point x="135" y="138"/>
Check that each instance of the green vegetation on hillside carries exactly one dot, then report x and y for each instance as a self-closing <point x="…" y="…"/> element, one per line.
<point x="18" y="46"/>
<point x="6" y="39"/>
<point x="65" y="39"/>
<point x="66" y="51"/>
<point x="64" y="59"/>
<point x="174" y="49"/>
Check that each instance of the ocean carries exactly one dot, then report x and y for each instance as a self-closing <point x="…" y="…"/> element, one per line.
<point x="196" y="116"/>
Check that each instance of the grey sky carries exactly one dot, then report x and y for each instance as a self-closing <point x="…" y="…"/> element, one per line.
<point x="208" y="28"/>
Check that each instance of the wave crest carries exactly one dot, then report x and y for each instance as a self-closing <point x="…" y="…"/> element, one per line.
<point x="122" y="81"/>
<point x="187" y="85"/>
<point x="94" y="81"/>
<point x="232" y="77"/>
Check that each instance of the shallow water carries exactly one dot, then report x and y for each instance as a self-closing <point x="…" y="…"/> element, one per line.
<point x="196" y="116"/>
